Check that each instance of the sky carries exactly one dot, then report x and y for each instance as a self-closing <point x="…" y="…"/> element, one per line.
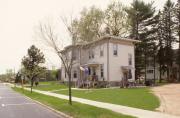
<point x="19" y="18"/>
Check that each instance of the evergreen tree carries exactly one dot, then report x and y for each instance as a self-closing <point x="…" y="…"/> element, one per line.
<point x="32" y="64"/>
<point x="141" y="17"/>
<point x="168" y="35"/>
<point x="160" y="44"/>
<point x="177" y="22"/>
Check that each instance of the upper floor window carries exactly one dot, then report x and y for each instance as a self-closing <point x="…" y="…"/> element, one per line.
<point x="91" y="54"/>
<point x="74" y="54"/>
<point x="130" y="59"/>
<point x="115" y="49"/>
<point x="101" y="51"/>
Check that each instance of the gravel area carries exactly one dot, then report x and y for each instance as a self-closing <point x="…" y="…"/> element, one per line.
<point x="169" y="96"/>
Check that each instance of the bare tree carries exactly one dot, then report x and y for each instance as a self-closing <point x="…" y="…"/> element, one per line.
<point x="47" y="33"/>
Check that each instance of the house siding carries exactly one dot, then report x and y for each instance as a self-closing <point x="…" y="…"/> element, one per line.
<point x="111" y="64"/>
<point x="116" y="62"/>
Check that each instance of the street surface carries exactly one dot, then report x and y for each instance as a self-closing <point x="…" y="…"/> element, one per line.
<point x="15" y="105"/>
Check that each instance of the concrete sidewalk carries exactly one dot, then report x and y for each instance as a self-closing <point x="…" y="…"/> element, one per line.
<point x="140" y="113"/>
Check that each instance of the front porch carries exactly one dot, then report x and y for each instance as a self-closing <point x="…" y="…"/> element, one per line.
<point x="91" y="75"/>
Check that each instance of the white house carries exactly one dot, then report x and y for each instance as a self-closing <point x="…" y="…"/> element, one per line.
<point x="109" y="59"/>
<point x="154" y="73"/>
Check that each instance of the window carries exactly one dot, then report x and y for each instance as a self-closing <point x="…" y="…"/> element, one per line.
<point x="115" y="49"/>
<point x="130" y="59"/>
<point x="150" y="71"/>
<point x="129" y="74"/>
<point x="102" y="71"/>
<point x="91" y="54"/>
<point x="101" y="51"/>
<point x="75" y="74"/>
<point x="74" y="54"/>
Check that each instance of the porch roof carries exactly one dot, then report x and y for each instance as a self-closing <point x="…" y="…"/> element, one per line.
<point x="92" y="64"/>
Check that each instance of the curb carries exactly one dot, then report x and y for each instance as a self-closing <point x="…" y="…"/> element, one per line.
<point x="48" y="107"/>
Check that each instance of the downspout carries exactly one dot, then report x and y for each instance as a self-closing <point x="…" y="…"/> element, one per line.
<point x="80" y="60"/>
<point x="80" y="73"/>
<point x="108" y="61"/>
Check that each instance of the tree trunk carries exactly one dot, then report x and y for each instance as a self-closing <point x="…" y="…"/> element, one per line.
<point x="70" y="97"/>
<point x="154" y="69"/>
<point x="31" y="85"/>
<point x="160" y="73"/>
<point x="145" y="60"/>
<point x="179" y="47"/>
<point x="32" y="82"/>
<point x="179" y="55"/>
<point x="179" y="61"/>
<point x="168" y="73"/>
<point x="179" y="74"/>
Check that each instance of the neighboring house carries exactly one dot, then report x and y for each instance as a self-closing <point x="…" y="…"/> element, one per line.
<point x="109" y="59"/>
<point x="150" y="71"/>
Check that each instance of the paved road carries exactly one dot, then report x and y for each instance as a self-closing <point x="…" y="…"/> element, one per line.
<point x="14" y="105"/>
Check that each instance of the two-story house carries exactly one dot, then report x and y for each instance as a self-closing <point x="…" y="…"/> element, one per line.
<point x="154" y="73"/>
<point x="109" y="59"/>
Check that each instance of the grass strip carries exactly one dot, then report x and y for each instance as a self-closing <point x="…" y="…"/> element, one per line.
<point x="77" y="110"/>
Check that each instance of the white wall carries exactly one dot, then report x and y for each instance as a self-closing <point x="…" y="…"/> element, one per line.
<point x="116" y="62"/>
<point x="97" y="58"/>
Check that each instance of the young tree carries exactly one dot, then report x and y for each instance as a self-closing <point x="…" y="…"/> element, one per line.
<point x="32" y="64"/>
<point x="116" y="19"/>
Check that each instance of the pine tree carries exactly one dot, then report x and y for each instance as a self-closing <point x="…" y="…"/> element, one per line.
<point x="141" y="18"/>
<point x="177" y="22"/>
<point x="160" y="39"/>
<point x="169" y="37"/>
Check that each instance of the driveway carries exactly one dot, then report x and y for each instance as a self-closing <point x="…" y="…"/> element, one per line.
<point x="14" y="105"/>
<point x="170" y="98"/>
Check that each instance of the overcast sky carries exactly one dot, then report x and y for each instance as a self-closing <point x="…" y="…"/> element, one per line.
<point x="18" y="19"/>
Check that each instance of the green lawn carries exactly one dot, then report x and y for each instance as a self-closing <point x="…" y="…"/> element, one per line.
<point x="134" y="97"/>
<point x="77" y="110"/>
<point x="50" y="86"/>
